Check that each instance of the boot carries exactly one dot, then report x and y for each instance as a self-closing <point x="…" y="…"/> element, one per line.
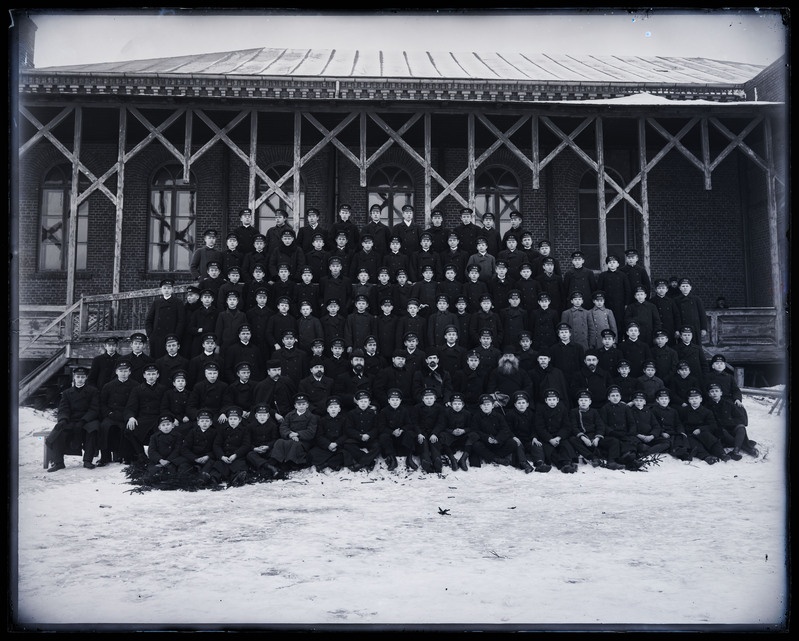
<point x="437" y="465"/>
<point x="542" y="467"/>
<point x="453" y="462"/>
<point x="410" y="463"/>
<point x="524" y="464"/>
<point x="463" y="463"/>
<point x="391" y="463"/>
<point x="735" y="455"/>
<point x="56" y="466"/>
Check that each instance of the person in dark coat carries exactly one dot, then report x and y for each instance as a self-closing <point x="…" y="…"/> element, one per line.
<point x="543" y="323"/>
<point x="233" y="283"/>
<point x="644" y="312"/>
<point x="428" y="423"/>
<point x="246" y="232"/>
<point x="244" y="350"/>
<point x="667" y="309"/>
<point x="682" y="383"/>
<point x="495" y="442"/>
<point x="78" y="422"/>
<point x="702" y="430"/>
<point x="204" y="255"/>
<point x="467" y="232"/>
<point x="395" y="433"/>
<point x="165" y="316"/>
<point x="592" y="378"/>
<point x="553" y="429"/>
<point x="625" y="381"/>
<point x="141" y="415"/>
<point x="552" y="283"/>
<point x="113" y="400"/>
<point x="264" y="432"/>
<point x="308" y="232"/>
<point x="691" y="313"/>
<point x="337" y="361"/>
<point x="137" y="358"/>
<point x="344" y="224"/>
<point x="175" y="400"/>
<point x="208" y="393"/>
<point x="366" y="258"/>
<point x="196" y="369"/>
<point x="276" y="390"/>
<point x="408" y="232"/>
<point x="546" y="378"/>
<point x="277" y="325"/>
<point x="692" y="352"/>
<point x="671" y="426"/>
<point x="317" y="257"/>
<point x="297" y="433"/>
<point x="163" y="450"/>
<point x="197" y="447"/>
<point x="386" y="327"/>
<point x="521" y="420"/>
<point x="316" y="386"/>
<point x="202" y="322"/>
<point x="293" y="360"/>
<point x="231" y="446"/>
<point x="634" y="350"/>
<point x="567" y="355"/>
<point x="173" y="360"/>
<point x="432" y="376"/>
<point x="580" y="279"/>
<point x="275" y="232"/>
<point x="616" y="287"/>
<point x="348" y="384"/>
<point x="378" y="230"/>
<point x="256" y="259"/>
<point x="328" y="451"/>
<point x="452" y="355"/>
<point x="335" y="286"/>
<point x="508" y="377"/>
<point x="590" y="438"/>
<point x="360" y="432"/>
<point x="190" y="305"/>
<point x="455" y="256"/>
<point x="471" y="381"/>
<point x="731" y="421"/>
<point x="636" y="274"/>
<point x="241" y="391"/>
<point x="458" y="435"/>
<point x="394" y="376"/>
<point x="229" y="321"/>
<point x="438" y="233"/>
<point x="103" y="366"/>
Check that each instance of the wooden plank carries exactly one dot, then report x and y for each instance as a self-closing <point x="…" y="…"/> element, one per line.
<point x="644" y="194"/>
<point x="600" y="191"/>
<point x="428" y="158"/>
<point x="116" y="277"/>
<point x="295" y="201"/>
<point x="41" y="129"/>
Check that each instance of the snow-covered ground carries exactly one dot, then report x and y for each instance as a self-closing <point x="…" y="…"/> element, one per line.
<point x="678" y="546"/>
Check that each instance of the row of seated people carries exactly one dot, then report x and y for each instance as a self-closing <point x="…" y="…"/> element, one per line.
<point x="120" y="430"/>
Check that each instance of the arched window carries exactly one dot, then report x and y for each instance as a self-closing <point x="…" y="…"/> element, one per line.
<point x="173" y="209"/>
<point x="54" y="218"/>
<point x="265" y="214"/>
<point x="497" y="191"/>
<point x="392" y="189"/>
<point x="620" y="225"/>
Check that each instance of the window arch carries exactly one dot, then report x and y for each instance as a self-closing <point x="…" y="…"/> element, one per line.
<point x="391" y="188"/>
<point x="54" y="213"/>
<point x="171" y="227"/>
<point x="265" y="213"/>
<point x="497" y="191"/>
<point x="619" y="222"/>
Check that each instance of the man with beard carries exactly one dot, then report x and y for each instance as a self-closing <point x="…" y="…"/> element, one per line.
<point x="348" y="384"/>
<point x="431" y="376"/>
<point x="317" y="387"/>
<point x="276" y="390"/>
<point x="592" y="378"/>
<point x="394" y="376"/>
<point x="508" y="378"/>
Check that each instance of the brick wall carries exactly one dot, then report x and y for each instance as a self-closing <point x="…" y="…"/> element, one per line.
<point x="693" y="232"/>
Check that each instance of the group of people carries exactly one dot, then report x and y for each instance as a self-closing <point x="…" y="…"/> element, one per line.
<point x="338" y="347"/>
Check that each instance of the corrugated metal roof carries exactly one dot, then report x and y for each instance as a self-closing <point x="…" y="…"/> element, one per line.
<point x="400" y="65"/>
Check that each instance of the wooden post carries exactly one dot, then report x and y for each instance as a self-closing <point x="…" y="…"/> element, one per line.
<point x="251" y="163"/>
<point x="644" y="192"/>
<point x="534" y="144"/>
<point x="600" y="192"/>
<point x="774" y="241"/>
<point x="428" y="161"/>
<point x="362" y="157"/>
<point x="72" y="242"/>
<point x="295" y="197"/>
<point x="120" y="208"/>
<point x="470" y="152"/>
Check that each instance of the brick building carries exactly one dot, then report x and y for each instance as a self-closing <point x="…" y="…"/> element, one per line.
<point x="145" y="155"/>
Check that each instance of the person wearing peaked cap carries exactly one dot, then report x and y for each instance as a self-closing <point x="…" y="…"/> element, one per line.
<point x="636" y="273"/>
<point x="644" y="313"/>
<point x="165" y="315"/>
<point x="702" y="429"/>
<point x="627" y="382"/>
<point x="580" y="278"/>
<point x="731" y="421"/>
<point x="172" y="360"/>
<point x="202" y="256"/>
<point x="164" y="450"/>
<point x="230" y="318"/>
<point x="692" y="352"/>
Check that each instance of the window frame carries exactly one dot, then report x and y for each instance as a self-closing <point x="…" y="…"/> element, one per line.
<point x="63" y="187"/>
<point x="175" y="190"/>
<point x="495" y="201"/>
<point x="392" y="199"/>
<point x="264" y="215"/>
<point x="627" y="219"/>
